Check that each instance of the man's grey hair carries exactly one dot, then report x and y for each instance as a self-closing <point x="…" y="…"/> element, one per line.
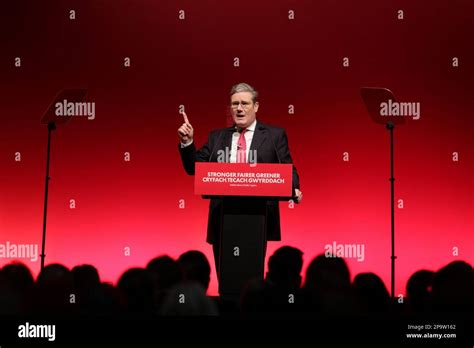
<point x="244" y="87"/>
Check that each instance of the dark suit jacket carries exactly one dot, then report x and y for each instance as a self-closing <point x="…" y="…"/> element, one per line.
<point x="271" y="144"/>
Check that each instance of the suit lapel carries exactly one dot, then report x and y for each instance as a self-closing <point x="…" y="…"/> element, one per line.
<point x="259" y="136"/>
<point x="226" y="141"/>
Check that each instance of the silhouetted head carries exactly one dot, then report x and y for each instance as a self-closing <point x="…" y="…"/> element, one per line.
<point x="19" y="276"/>
<point x="371" y="293"/>
<point x="165" y="271"/>
<point x="453" y="287"/>
<point x="136" y="284"/>
<point x="327" y="287"/>
<point x="326" y="274"/>
<point x="10" y="300"/>
<point x="55" y="276"/>
<point x="195" y="267"/>
<point x="419" y="289"/>
<point x="85" y="277"/>
<point x="54" y="287"/>
<point x="284" y="268"/>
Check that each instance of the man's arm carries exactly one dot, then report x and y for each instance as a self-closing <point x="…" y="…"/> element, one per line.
<point x="285" y="157"/>
<point x="189" y="156"/>
<point x="187" y="149"/>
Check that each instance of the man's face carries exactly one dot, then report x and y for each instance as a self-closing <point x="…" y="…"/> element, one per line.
<point x="243" y="109"/>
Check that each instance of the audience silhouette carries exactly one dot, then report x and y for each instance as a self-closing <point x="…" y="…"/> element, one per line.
<point x="370" y="293"/>
<point x="195" y="268"/>
<point x="418" y="291"/>
<point x="169" y="287"/>
<point x="327" y="288"/>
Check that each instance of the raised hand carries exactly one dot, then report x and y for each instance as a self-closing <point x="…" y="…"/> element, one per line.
<point x="186" y="131"/>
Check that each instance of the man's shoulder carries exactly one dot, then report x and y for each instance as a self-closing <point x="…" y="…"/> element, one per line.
<point x="216" y="132"/>
<point x="271" y="128"/>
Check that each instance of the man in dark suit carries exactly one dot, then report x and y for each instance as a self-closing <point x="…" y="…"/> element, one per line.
<point x="248" y="140"/>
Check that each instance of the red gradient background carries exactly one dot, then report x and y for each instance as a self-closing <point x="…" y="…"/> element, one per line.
<point x="136" y="204"/>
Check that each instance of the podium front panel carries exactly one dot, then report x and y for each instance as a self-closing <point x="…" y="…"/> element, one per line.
<point x="243" y="244"/>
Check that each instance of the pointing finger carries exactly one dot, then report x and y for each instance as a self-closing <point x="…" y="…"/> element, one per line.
<point x="185" y="117"/>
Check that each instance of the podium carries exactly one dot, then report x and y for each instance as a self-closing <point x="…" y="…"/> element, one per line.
<point x="243" y="190"/>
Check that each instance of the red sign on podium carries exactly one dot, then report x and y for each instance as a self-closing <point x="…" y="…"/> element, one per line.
<point x="243" y="179"/>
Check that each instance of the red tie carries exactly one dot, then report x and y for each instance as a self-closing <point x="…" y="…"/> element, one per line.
<point x="242" y="148"/>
